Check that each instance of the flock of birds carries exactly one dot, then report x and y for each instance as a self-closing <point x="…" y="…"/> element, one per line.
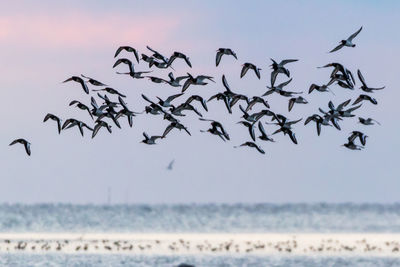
<point x="105" y="111"/>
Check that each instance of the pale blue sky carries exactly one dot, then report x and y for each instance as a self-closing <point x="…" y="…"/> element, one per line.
<point x="44" y="43"/>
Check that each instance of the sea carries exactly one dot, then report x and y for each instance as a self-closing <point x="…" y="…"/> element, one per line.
<point x="197" y="218"/>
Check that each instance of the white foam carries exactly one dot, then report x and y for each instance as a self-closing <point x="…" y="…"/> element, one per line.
<point x="379" y="244"/>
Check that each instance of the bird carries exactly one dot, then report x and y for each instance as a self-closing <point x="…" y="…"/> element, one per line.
<point x="298" y="100"/>
<point x="368" y="121"/>
<point x="81" y="106"/>
<point x="319" y="88"/>
<point x="80" y="81"/>
<point x="110" y="91"/>
<point x="252" y="144"/>
<point x="93" y="81"/>
<point x="223" y="51"/>
<point x="54" y="118"/>
<point x="352" y="146"/>
<point x="264" y="135"/>
<point x="279" y="89"/>
<point x="128" y="49"/>
<point x="99" y="125"/>
<point x="176" y="55"/>
<point x="150" y="140"/>
<point x="199" y="99"/>
<point x="176" y="125"/>
<point x="357" y="134"/>
<point x="318" y="121"/>
<point x="250" y="127"/>
<point x="171" y="165"/>
<point x="254" y="100"/>
<point x="167" y="103"/>
<point x="279" y="68"/>
<point x="364" y="86"/>
<point x="198" y="80"/>
<point x="247" y="66"/>
<point x="217" y="129"/>
<point x="26" y="144"/>
<point x="363" y="97"/>
<point x="176" y="82"/>
<point x="184" y="106"/>
<point x="125" y="111"/>
<point x="156" y="79"/>
<point x="73" y="122"/>
<point x="348" y="42"/>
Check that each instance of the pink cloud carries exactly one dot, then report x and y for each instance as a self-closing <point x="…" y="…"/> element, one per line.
<point x="85" y="30"/>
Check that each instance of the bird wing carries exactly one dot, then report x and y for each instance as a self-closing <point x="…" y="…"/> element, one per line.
<point x="358" y="100"/>
<point x="336" y="48"/>
<point x="172" y="97"/>
<point x="147" y="99"/>
<point x="261" y="128"/>
<point x="293" y="137"/>
<point x="136" y="55"/>
<point x="312" y="87"/>
<point x="354" y="35"/>
<point x="361" y="77"/>
<point x="291" y="103"/>
<point x="218" y="58"/>
<point x="188" y="61"/>
<point x="186" y="85"/>
<point x="225" y="83"/>
<point x="168" y="129"/>
<point x="244" y="70"/>
<point x="259" y="149"/>
<point x="285" y="61"/>
<point x="342" y="105"/>
<point x="285" y="83"/>
<point x="27" y="148"/>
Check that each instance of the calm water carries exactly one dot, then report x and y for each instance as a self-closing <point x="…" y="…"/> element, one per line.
<point x="198" y="261"/>
<point x="201" y="218"/>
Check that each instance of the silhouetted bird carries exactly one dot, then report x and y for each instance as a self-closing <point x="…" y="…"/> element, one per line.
<point x="25" y="143"/>
<point x="80" y="81"/>
<point x="223" y="51"/>
<point x="54" y="118"/>
<point x="253" y="145"/>
<point x="128" y="49"/>
<point x="348" y="42"/>
<point x="364" y="86"/>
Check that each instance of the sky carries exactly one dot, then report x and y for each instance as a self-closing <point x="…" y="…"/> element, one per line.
<point x="42" y="44"/>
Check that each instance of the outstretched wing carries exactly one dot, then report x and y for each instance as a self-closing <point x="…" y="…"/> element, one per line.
<point x="336" y="48"/>
<point x="354" y="35"/>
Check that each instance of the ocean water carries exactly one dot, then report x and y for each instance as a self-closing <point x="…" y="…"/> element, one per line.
<point x="320" y="218"/>
<point x="198" y="261"/>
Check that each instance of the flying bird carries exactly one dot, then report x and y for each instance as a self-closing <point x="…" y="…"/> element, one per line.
<point x="176" y="55"/>
<point x="364" y="86"/>
<point x="150" y="140"/>
<point x="253" y="145"/>
<point x="348" y="42"/>
<point x="368" y="121"/>
<point x="279" y="68"/>
<point x="54" y="118"/>
<point x="298" y="100"/>
<point x="171" y="165"/>
<point x="81" y="106"/>
<point x="93" y="81"/>
<point x="80" y="81"/>
<point x="25" y="143"/>
<point x="223" y="51"/>
<point x="128" y="49"/>
<point x="248" y="66"/>
<point x="264" y="135"/>
<point x="363" y="97"/>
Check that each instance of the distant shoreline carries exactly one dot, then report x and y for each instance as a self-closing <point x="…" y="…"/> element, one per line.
<point x="360" y="244"/>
